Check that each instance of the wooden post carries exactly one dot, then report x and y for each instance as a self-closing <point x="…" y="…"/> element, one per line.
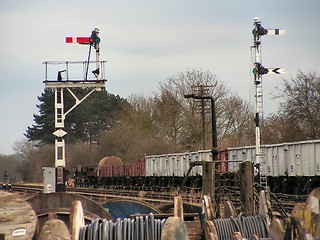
<point x="263" y="204"/>
<point x="178" y="207"/>
<point x="246" y="187"/>
<point x="208" y="180"/>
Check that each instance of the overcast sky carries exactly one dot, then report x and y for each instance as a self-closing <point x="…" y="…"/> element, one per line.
<point x="145" y="42"/>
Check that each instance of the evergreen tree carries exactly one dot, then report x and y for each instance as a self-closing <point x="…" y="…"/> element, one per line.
<point x="98" y="111"/>
<point x="44" y="122"/>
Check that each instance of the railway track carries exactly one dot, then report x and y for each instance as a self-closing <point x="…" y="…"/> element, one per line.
<point x="288" y="201"/>
<point x="102" y="195"/>
<point x="157" y="198"/>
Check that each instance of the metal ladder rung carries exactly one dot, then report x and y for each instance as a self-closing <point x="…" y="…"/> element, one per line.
<point x="263" y="170"/>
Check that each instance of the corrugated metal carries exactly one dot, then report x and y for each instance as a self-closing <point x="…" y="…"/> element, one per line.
<point x="177" y="164"/>
<point x="283" y="159"/>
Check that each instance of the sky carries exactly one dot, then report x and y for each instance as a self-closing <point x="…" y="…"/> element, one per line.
<point x="146" y="42"/>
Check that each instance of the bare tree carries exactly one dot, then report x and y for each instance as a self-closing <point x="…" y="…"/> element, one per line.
<point x="81" y="153"/>
<point x="236" y="123"/>
<point x="169" y="118"/>
<point x="167" y="122"/>
<point x="234" y="116"/>
<point x="191" y="129"/>
<point x="8" y="168"/>
<point x="277" y="128"/>
<point x="301" y="106"/>
<point x="32" y="159"/>
<point x="135" y="133"/>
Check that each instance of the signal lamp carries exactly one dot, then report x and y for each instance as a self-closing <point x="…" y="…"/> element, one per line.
<point x="259" y="30"/>
<point x="260" y="70"/>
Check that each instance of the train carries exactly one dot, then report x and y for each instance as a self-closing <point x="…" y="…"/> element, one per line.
<point x="292" y="168"/>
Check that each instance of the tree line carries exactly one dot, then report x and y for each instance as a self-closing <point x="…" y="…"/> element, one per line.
<point x="166" y="122"/>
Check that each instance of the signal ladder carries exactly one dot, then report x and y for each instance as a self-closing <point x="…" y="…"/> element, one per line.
<point x="259" y="101"/>
<point x="263" y="174"/>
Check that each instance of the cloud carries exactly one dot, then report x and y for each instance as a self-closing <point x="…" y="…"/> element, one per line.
<point x="146" y="42"/>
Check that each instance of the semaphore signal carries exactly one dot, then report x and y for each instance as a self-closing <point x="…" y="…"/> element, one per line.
<point x="259" y="70"/>
<point x="276" y="70"/>
<point x="63" y="81"/>
<point x="80" y="40"/>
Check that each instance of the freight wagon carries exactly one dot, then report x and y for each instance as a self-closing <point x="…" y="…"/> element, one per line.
<point x="177" y="164"/>
<point x="290" y="167"/>
<point x="284" y="159"/>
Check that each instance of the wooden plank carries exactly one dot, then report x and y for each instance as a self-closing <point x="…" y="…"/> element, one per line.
<point x="276" y="230"/>
<point x="210" y="231"/>
<point x="194" y="229"/>
<point x="55" y="229"/>
<point x="17" y="218"/>
<point x="178" y="207"/>
<point x="76" y="219"/>
<point x="208" y="208"/>
<point x="174" y="229"/>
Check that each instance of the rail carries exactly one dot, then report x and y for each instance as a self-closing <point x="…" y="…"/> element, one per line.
<point x="285" y="202"/>
<point x="103" y="195"/>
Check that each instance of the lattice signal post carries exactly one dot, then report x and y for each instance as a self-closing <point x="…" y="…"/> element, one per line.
<point x="258" y="71"/>
<point x="61" y="75"/>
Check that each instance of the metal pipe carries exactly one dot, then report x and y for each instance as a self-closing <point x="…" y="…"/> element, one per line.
<point x="214" y="150"/>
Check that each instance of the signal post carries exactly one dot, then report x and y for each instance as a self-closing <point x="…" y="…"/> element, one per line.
<point x="258" y="71"/>
<point x="60" y="77"/>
